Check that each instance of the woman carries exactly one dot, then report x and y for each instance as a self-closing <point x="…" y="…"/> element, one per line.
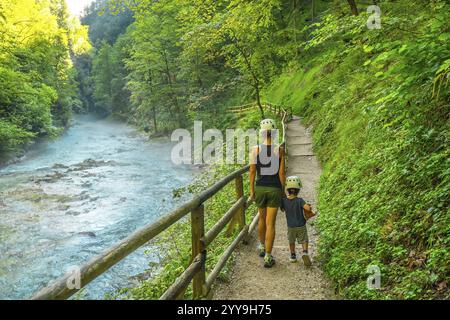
<point x="267" y="163"/>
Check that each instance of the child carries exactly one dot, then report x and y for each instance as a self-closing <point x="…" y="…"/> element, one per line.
<point x="297" y="212"/>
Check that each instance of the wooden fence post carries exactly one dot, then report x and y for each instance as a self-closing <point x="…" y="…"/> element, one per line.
<point x="239" y="218"/>
<point x="239" y="194"/>
<point x="198" y="233"/>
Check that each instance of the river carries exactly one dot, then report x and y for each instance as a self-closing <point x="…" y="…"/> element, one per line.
<point x="71" y="198"/>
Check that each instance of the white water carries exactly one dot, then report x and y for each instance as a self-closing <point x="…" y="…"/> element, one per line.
<point x="70" y="199"/>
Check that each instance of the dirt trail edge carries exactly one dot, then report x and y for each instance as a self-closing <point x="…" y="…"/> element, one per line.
<point x="286" y="281"/>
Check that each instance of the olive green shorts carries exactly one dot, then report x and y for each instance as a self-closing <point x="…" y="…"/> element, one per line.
<point x="267" y="197"/>
<point x="300" y="234"/>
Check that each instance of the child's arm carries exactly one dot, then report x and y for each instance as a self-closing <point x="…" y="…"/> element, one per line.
<point x="308" y="211"/>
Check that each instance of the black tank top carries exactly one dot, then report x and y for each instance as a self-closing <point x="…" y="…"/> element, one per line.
<point x="267" y="176"/>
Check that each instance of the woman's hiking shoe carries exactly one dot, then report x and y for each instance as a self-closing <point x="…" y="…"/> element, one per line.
<point x="269" y="261"/>
<point x="261" y="250"/>
<point x="293" y="258"/>
<point x="306" y="260"/>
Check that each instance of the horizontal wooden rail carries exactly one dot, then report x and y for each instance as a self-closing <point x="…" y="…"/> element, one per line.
<point x="183" y="281"/>
<point x="214" y="232"/>
<point x="248" y="106"/>
<point x="240" y="110"/>
<point x="254" y="223"/>
<point x="285" y="113"/>
<point x="96" y="266"/>
<point x="223" y="260"/>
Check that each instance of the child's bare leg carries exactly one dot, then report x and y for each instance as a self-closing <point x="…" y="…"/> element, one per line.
<point x="292" y="247"/>
<point x="305" y="247"/>
<point x="305" y="255"/>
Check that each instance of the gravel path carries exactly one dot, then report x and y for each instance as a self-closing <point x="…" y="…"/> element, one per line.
<point x="286" y="280"/>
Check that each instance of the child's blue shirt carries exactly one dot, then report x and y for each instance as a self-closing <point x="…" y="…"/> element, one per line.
<point x="294" y="212"/>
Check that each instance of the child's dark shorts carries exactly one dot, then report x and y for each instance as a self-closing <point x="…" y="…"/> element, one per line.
<point x="299" y="233"/>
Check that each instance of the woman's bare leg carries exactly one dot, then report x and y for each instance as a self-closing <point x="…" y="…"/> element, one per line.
<point x="271" y="218"/>
<point x="262" y="225"/>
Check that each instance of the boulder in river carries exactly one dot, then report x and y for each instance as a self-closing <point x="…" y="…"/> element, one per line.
<point x="88" y="234"/>
<point x="59" y="166"/>
<point x="91" y="163"/>
<point x="72" y="213"/>
<point x="49" y="178"/>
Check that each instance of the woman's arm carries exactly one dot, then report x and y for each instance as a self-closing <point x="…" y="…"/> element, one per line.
<point x="252" y="174"/>
<point x="282" y="173"/>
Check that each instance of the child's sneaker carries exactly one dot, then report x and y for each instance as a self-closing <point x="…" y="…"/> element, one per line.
<point x="306" y="259"/>
<point x="293" y="258"/>
<point x="269" y="261"/>
<point x="261" y="250"/>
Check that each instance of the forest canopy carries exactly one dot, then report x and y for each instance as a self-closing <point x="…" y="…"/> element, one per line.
<point x="37" y="41"/>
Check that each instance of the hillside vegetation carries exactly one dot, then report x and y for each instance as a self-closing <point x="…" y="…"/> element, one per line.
<point x="378" y="102"/>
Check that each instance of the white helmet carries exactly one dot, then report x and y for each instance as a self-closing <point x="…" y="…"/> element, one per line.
<point x="268" y="124"/>
<point x="293" y="182"/>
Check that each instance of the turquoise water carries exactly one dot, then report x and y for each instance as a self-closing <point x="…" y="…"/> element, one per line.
<point x="71" y="198"/>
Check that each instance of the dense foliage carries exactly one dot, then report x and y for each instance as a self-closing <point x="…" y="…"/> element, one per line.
<point x="379" y="104"/>
<point x="378" y="101"/>
<point x="37" y="80"/>
<point x="186" y="60"/>
<point x="102" y="74"/>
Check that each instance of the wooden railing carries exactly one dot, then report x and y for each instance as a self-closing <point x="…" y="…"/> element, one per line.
<point x="285" y="113"/>
<point x="277" y="109"/>
<point x="196" y="271"/>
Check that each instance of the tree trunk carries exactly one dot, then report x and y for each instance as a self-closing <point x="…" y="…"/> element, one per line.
<point x="198" y="71"/>
<point x="155" y="123"/>
<point x="294" y="19"/>
<point x="172" y="91"/>
<point x="150" y="82"/>
<point x="353" y="7"/>
<point x="253" y="74"/>
<point x="258" y="99"/>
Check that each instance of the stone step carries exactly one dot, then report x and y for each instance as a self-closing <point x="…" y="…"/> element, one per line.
<point x="301" y="154"/>
<point x="302" y="173"/>
<point x="305" y="143"/>
<point x="291" y="133"/>
<point x="301" y="150"/>
<point x="293" y="142"/>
